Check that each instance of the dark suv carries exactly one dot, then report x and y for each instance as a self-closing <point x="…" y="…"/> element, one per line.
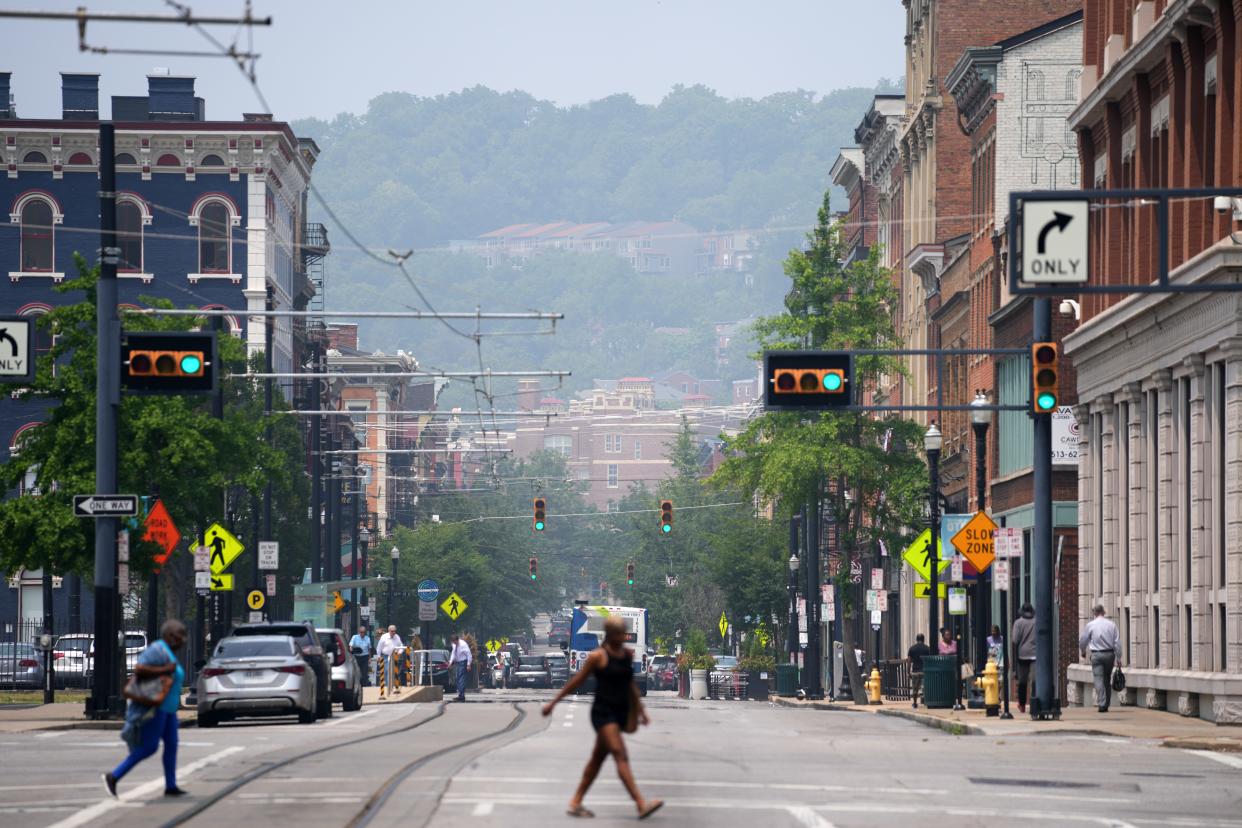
<point x="302" y="632"/>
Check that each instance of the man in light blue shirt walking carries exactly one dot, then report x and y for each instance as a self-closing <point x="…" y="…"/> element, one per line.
<point x="362" y="641"/>
<point x="1101" y="639"/>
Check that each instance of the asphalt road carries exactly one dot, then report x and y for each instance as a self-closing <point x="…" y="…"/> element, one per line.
<point x="496" y="761"/>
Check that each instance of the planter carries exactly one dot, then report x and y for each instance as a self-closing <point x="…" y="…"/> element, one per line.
<point x="698" y="684"/>
<point x="757" y="684"/>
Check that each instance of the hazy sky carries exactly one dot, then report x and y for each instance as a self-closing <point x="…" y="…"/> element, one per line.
<point x="322" y="57"/>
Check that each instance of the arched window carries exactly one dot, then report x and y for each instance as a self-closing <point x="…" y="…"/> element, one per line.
<point x="168" y="160"/>
<point x="126" y="158"/>
<point x="129" y="236"/>
<point x="38" y="255"/>
<point x="211" y="161"/>
<point x="213" y="238"/>
<point x="80" y="159"/>
<point x="34" y="157"/>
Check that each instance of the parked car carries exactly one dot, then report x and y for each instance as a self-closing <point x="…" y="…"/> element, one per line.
<point x="558" y="632"/>
<point x="72" y="659"/>
<point x="21" y="666"/>
<point x="257" y="675"/>
<point x="135" y="643"/>
<point x="531" y="671"/>
<point x="496" y="667"/>
<point x="346" y="677"/>
<point x="302" y="632"/>
<point x="432" y="667"/>
<point x="662" y="672"/>
<point x="558" y="669"/>
<point x="725" y="664"/>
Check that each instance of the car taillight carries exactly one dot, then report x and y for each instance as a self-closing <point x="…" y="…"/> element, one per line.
<point x="27" y="662"/>
<point x="296" y="670"/>
<point x="211" y="672"/>
<point x="57" y="655"/>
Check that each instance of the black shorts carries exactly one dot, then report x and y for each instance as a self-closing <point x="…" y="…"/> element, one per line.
<point x="602" y="716"/>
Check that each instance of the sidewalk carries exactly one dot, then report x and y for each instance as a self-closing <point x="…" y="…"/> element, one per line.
<point x="61" y="716"/>
<point x="406" y="695"/>
<point x="1123" y="722"/>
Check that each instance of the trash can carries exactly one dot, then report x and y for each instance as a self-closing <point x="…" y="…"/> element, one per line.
<point x="787" y="680"/>
<point x="938" y="676"/>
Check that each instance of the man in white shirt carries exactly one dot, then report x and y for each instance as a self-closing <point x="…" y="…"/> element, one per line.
<point x="1101" y="639"/>
<point x="460" y="659"/>
<point x="389" y="644"/>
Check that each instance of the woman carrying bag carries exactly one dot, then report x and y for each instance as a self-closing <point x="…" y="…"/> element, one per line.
<point x="154" y="693"/>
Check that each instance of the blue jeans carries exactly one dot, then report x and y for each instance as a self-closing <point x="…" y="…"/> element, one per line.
<point x="461" y="679"/>
<point x="162" y="726"/>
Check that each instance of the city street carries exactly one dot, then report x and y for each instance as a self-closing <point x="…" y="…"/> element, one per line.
<point x="495" y="761"/>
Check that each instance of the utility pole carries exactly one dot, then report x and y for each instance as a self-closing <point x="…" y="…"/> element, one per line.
<point x="267" y="406"/>
<point x="104" y="696"/>
<point x="49" y="663"/>
<point x="1048" y="704"/>
<point x="316" y="464"/>
<point x="815" y="686"/>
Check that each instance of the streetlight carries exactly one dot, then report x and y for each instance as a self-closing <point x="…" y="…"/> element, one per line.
<point x="396" y="556"/>
<point x="360" y="569"/>
<point x="933" y="441"/>
<point x="794" y="639"/>
<point x="980" y="420"/>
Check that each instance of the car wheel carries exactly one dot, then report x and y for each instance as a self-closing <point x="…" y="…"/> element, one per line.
<point x="323" y="709"/>
<point x="207" y="720"/>
<point x="354" y="702"/>
<point x="306" y="716"/>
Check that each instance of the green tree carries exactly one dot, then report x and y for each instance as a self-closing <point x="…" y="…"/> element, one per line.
<point x="849" y="464"/>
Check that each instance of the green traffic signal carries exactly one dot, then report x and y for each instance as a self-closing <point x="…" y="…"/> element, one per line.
<point x="832" y="381"/>
<point x="191" y="363"/>
<point x="539" y="525"/>
<point x="1046" y="402"/>
<point x="666" y="528"/>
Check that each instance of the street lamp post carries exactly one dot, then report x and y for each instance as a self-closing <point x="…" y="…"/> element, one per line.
<point x="980" y="419"/>
<point x="933" y="441"/>
<point x="794" y="639"/>
<point x="359" y="571"/>
<point x="392" y="584"/>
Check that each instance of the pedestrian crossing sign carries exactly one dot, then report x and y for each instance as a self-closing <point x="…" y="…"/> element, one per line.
<point x="454" y="606"/>
<point x="724" y="625"/>
<point x="493" y="646"/>
<point x="224" y="546"/>
<point x="919" y="555"/>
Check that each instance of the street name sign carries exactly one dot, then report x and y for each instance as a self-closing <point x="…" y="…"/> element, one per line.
<point x="427" y="611"/>
<point x="223" y="545"/>
<point x="454" y="606"/>
<point x="110" y="505"/>
<point x="161" y="529"/>
<point x="269" y="555"/>
<point x="1054" y="241"/>
<point x="17" y="363"/>
<point x="975" y="541"/>
<point x="428" y="590"/>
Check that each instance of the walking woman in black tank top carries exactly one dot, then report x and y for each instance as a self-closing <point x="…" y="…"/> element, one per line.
<point x="614" y="693"/>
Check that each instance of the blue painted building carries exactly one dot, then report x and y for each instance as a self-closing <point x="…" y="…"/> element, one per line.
<point x="210" y="214"/>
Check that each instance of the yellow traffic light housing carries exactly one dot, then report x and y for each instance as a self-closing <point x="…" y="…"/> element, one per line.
<point x="534" y="569"/>
<point x="808" y="379"/>
<point x="1045" y="379"/>
<point x="169" y="363"/>
<point x="629" y="573"/>
<point x="666" y="516"/>
<point x="539" y="519"/>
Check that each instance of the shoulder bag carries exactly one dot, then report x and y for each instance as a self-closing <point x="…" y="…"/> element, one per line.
<point x="1119" y="680"/>
<point x="147" y="692"/>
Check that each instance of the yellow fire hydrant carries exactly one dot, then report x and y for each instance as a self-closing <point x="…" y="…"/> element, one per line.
<point x="989" y="683"/>
<point x="873" y="686"/>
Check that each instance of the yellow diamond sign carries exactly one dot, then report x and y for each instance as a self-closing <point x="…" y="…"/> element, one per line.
<point x="975" y="541"/>
<point x="224" y="546"/>
<point x="724" y="625"/>
<point x="919" y="555"/>
<point x="454" y="606"/>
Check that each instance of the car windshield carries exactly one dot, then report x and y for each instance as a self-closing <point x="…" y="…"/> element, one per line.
<point x="726" y="661"/>
<point x="134" y="642"/>
<point x="556" y="658"/>
<point x="327" y="640"/>
<point x="22" y="650"/>
<point x="76" y="645"/>
<point x="296" y="631"/>
<point x="255" y="647"/>
<point x="530" y="661"/>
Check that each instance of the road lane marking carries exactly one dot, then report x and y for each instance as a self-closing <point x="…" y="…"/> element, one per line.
<point x="808" y="817"/>
<point x="483" y="809"/>
<point x="689" y="783"/>
<point x="352" y="718"/>
<point x="1224" y="758"/>
<point x="103" y="806"/>
<point x="49" y="787"/>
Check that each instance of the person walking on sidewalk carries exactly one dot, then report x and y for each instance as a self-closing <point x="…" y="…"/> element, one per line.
<point x="616" y="700"/>
<point x="460" y="658"/>
<point x="947" y="645"/>
<point x="1022" y="648"/>
<point x="362" y="641"/>
<point x="916" y="654"/>
<point x="159" y="659"/>
<point x="1101" y="639"/>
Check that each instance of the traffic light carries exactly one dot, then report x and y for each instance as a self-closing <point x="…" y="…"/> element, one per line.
<point x="808" y="379"/>
<point x="629" y="573"/>
<point x="666" y="516"/>
<point x="182" y="362"/>
<point x="534" y="569"/>
<point x="540" y="518"/>
<point x="1044" y="377"/>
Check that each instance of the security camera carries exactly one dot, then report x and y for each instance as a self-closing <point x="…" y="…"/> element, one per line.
<point x="1069" y="307"/>
<point x="1222" y="204"/>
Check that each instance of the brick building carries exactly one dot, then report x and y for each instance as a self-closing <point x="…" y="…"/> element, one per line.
<point x="1160" y="376"/>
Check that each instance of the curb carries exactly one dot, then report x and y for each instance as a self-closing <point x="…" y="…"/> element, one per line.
<point x="839" y="707"/>
<point x="952" y="727"/>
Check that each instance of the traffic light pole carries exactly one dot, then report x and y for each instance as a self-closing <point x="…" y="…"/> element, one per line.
<point x="814" y="685"/>
<point x="104" y="700"/>
<point x="1048" y="705"/>
<point x="316" y="464"/>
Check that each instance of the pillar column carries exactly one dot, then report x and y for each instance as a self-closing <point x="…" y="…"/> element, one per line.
<point x="1087" y="506"/>
<point x="1136" y="480"/>
<point x="1165" y="519"/>
<point x="1108" y="486"/>
<point x="1200" y="550"/>
<point x="1233" y="502"/>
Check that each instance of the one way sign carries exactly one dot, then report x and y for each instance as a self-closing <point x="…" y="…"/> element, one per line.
<point x="93" y="506"/>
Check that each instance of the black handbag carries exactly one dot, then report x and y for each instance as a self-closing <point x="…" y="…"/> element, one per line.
<point x="1119" y="680"/>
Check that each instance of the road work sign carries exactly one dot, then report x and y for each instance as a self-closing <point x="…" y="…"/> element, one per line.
<point x="1054" y="241"/>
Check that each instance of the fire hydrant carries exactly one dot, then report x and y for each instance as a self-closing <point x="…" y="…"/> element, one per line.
<point x="873" y="686"/>
<point x="989" y="683"/>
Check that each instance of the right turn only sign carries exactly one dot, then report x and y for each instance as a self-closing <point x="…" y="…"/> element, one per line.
<point x="1054" y="241"/>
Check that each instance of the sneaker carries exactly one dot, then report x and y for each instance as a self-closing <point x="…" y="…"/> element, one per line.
<point x="110" y="783"/>
<point x="176" y="792"/>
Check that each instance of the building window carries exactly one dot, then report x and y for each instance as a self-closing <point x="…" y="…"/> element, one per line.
<point x="213" y="238"/>
<point x="80" y="159"/>
<point x="358" y="416"/>
<point x="560" y="444"/>
<point x="211" y="160"/>
<point x="638" y="450"/>
<point x="125" y="158"/>
<point x="1016" y="440"/>
<point x="168" y="160"/>
<point x="614" y="476"/>
<point x="34" y="157"/>
<point x="37" y="255"/>
<point x="129" y="236"/>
